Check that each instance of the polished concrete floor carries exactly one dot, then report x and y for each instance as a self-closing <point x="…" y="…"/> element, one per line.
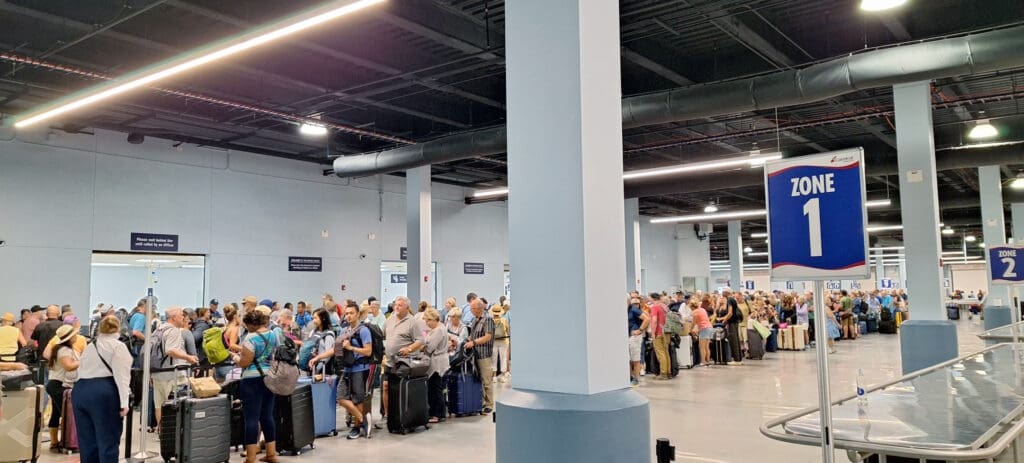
<point x="710" y="414"/>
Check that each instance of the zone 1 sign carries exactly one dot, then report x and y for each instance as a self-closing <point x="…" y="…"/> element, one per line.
<point x="816" y="217"/>
<point x="1006" y="264"/>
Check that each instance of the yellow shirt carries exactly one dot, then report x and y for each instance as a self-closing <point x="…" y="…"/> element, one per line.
<point x="8" y="340"/>
<point x="78" y="345"/>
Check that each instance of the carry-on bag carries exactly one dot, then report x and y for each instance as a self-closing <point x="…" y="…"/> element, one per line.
<point x="755" y="344"/>
<point x="872" y="325"/>
<point x="16" y="380"/>
<point x="721" y="353"/>
<point x="68" y="430"/>
<point x="407" y="405"/>
<point x="864" y="327"/>
<point x="798" y="333"/>
<point x="887" y="326"/>
<point x="325" y="403"/>
<point x="21" y="424"/>
<point x="772" y="343"/>
<point x="294" y="416"/>
<point x="465" y="392"/>
<point x="201" y="424"/>
<point x="684" y="352"/>
<point x="953" y="312"/>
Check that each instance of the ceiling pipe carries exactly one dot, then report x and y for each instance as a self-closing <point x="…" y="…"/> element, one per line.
<point x="25" y="60"/>
<point x="909" y="62"/>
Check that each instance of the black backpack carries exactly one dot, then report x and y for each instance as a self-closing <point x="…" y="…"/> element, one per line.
<point x="377" y="354"/>
<point x="885" y="314"/>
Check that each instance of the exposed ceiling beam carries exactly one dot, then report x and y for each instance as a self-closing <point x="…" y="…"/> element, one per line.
<point x="444" y="27"/>
<point x="654" y="67"/>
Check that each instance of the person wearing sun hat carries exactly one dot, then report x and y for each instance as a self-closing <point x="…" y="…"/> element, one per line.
<point x="78" y="344"/>
<point x="63" y="365"/>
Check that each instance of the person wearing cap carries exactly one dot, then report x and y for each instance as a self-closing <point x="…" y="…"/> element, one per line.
<point x="249" y="303"/>
<point x="63" y="367"/>
<point x="11" y="339"/>
<point x="499" y="355"/>
<point x="265" y="307"/>
<point x="215" y="310"/>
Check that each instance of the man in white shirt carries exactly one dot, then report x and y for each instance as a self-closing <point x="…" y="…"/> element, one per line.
<point x="376" y="317"/>
<point x="165" y="382"/>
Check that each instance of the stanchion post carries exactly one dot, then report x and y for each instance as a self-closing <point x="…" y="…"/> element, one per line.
<point x="824" y="395"/>
<point x="143" y="454"/>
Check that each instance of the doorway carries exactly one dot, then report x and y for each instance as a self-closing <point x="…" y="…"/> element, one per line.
<point x="121" y="279"/>
<point x="394" y="280"/>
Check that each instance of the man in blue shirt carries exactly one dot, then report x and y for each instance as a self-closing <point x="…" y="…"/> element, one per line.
<point x="355" y="379"/>
<point x="467" y="311"/>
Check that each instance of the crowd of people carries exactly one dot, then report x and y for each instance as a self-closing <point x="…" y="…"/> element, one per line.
<point x="658" y="322"/>
<point x="234" y="342"/>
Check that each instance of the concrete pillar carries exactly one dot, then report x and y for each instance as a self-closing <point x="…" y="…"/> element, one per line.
<point x="993" y="227"/>
<point x="418" y="218"/>
<point x="566" y="236"/>
<point x="879" y="269"/>
<point x="1017" y="228"/>
<point x="928" y="338"/>
<point x="633" y="267"/>
<point x="736" y="255"/>
<point x="903" y="273"/>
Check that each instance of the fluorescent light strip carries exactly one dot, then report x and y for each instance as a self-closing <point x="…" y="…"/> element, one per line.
<point x="888" y="248"/>
<point x="759" y="235"/>
<point x="193" y="266"/>
<point x="278" y="30"/>
<point x="880" y="228"/>
<point x="757" y="254"/>
<point x="110" y="264"/>
<point x="711" y="217"/>
<point x="752" y="161"/>
<point x="877" y="203"/>
<point x="489" y="193"/>
<point x="155" y="261"/>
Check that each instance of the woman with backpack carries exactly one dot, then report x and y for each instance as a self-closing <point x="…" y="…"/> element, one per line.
<point x="257" y="399"/>
<point x="322" y="339"/>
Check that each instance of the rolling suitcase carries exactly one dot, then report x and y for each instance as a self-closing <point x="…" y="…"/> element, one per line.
<point x="672" y="357"/>
<point x="169" y="429"/>
<point x="68" y="430"/>
<point x="294" y="417"/>
<point x="237" y="425"/>
<point x="684" y="353"/>
<point x="864" y="327"/>
<point x="953" y="312"/>
<point x="887" y="327"/>
<point x="325" y="404"/>
<point x="755" y="345"/>
<point x="201" y="423"/>
<point x="872" y="325"/>
<point x="721" y="353"/>
<point x="465" y="393"/>
<point x="21" y="424"/>
<point x="407" y="405"/>
<point x="772" y="343"/>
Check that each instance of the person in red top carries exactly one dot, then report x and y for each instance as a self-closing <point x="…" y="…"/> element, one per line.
<point x="661" y="338"/>
<point x="702" y="328"/>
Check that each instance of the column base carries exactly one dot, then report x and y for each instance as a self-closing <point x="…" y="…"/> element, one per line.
<point x="924" y="343"/>
<point x="535" y="426"/>
<point x="996" y="317"/>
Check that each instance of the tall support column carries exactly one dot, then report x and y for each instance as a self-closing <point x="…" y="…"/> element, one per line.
<point x="993" y="227"/>
<point x="418" y="217"/>
<point x="928" y="338"/>
<point x="633" y="244"/>
<point x="1017" y="228"/>
<point x="736" y="255"/>
<point x="903" y="275"/>
<point x="879" y="269"/>
<point x="565" y="237"/>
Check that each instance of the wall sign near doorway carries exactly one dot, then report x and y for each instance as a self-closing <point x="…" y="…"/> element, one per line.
<point x="399" y="278"/>
<point x="305" y="264"/>
<point x="403" y="253"/>
<point x="154" y="242"/>
<point x="473" y="268"/>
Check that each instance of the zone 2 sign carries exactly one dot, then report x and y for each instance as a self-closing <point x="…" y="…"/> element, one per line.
<point x="1006" y="264"/>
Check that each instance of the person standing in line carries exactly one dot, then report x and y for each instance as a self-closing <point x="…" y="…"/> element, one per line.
<point x="703" y="330"/>
<point x="100" y="396"/>
<point x="458" y="332"/>
<point x="63" y="366"/>
<point x="403" y="335"/>
<point x="831" y="324"/>
<point x="30" y="320"/>
<point x="732" y="326"/>
<point x="257" y="400"/>
<point x="481" y="340"/>
<point x="47" y="329"/>
<point x="501" y="344"/>
<point x="436" y="346"/>
<point x="743" y="312"/>
<point x="661" y="338"/>
<point x="467" y="310"/>
<point x="11" y="339"/>
<point x="637" y="325"/>
<point x="170" y="334"/>
<point x="449" y="304"/>
<point x="355" y="380"/>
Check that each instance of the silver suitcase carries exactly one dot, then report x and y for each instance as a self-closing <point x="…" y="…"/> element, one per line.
<point x="21" y="424"/>
<point x="684" y="353"/>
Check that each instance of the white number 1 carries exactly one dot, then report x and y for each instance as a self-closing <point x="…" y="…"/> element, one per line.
<point x="1010" y="266"/>
<point x="813" y="212"/>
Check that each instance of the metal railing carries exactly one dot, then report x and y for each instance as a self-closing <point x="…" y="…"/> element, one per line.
<point x="991" y="445"/>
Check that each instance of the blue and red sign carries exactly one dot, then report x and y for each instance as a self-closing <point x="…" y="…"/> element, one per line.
<point x="816" y="217"/>
<point x="1006" y="263"/>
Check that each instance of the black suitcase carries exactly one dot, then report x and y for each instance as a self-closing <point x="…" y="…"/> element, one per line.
<point x="721" y="353"/>
<point x="695" y="350"/>
<point x="294" y="417"/>
<point x="201" y="424"/>
<point x="872" y="325"/>
<point x="953" y="312"/>
<point x="169" y="429"/>
<point x="672" y="356"/>
<point x="407" y="405"/>
<point x="755" y="345"/>
<point x="887" y="327"/>
<point x="237" y="425"/>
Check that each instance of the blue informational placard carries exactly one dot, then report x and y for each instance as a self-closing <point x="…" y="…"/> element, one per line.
<point x="1006" y="264"/>
<point x="789" y="285"/>
<point x="816" y="217"/>
<point x="886" y="283"/>
<point x="749" y="285"/>
<point x="833" y="285"/>
<point x="154" y="242"/>
<point x="399" y="278"/>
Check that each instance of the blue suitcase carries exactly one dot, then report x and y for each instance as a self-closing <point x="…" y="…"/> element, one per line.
<point x="465" y="393"/>
<point x="864" y="327"/>
<point x="325" y="405"/>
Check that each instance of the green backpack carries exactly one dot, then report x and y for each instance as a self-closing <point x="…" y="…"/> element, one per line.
<point x="214" y="346"/>
<point x="673" y="323"/>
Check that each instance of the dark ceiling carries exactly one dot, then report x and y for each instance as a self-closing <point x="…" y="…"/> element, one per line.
<point x="416" y="70"/>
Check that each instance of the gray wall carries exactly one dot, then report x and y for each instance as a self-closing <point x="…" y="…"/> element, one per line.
<point x="63" y="196"/>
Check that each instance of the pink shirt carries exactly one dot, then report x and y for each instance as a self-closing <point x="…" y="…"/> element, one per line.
<point x="657" y="319"/>
<point x="700" y="318"/>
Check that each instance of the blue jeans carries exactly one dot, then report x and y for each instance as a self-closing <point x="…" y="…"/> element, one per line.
<point x="96" y="404"/>
<point x="257" y="411"/>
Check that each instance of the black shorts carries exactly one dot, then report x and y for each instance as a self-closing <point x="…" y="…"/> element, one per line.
<point x="353" y="386"/>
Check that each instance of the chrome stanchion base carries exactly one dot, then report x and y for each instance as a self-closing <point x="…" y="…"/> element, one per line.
<point x="142" y="456"/>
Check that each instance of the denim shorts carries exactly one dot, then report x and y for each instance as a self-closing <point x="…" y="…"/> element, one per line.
<point x="706" y="333"/>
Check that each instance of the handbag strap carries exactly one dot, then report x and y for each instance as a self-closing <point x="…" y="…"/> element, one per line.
<point x="98" y="354"/>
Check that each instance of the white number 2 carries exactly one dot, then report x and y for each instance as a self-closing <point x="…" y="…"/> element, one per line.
<point x="1011" y="264"/>
<point x="812" y="210"/>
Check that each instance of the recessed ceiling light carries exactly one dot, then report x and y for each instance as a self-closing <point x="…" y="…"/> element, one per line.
<point x="877" y="203"/>
<point x="748" y="249"/>
<point x="970" y="238"/>
<point x="982" y="131"/>
<point x="710" y="208"/>
<point x="314" y="130"/>
<point x="880" y="5"/>
<point x="947" y="231"/>
<point x="1018" y="183"/>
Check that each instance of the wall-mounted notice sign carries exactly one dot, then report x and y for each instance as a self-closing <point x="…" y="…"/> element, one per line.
<point x="154" y="242"/>
<point x="305" y="264"/>
<point x="399" y="278"/>
<point x="473" y="268"/>
<point x="403" y="253"/>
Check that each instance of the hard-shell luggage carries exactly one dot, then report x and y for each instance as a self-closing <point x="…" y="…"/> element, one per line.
<point x="21" y="424"/>
<point x="772" y="343"/>
<point x="684" y="353"/>
<point x="16" y="380"/>
<point x="797" y="336"/>
<point x="872" y="325"/>
<point x="237" y="425"/>
<point x="294" y="417"/>
<point x="695" y="348"/>
<point x="863" y="327"/>
<point x="325" y="404"/>
<point x="721" y="353"/>
<point x="68" y="430"/>
<point x="465" y="393"/>
<point x="953" y="312"/>
<point x="673" y="360"/>
<point x="407" y="404"/>
<point x="201" y="424"/>
<point x="169" y="429"/>
<point x="887" y="327"/>
<point x="755" y="345"/>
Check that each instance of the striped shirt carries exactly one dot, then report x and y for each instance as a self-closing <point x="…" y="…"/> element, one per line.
<point x="480" y="327"/>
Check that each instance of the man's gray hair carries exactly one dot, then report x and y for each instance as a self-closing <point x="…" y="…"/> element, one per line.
<point x="173" y="311"/>
<point x="403" y="298"/>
